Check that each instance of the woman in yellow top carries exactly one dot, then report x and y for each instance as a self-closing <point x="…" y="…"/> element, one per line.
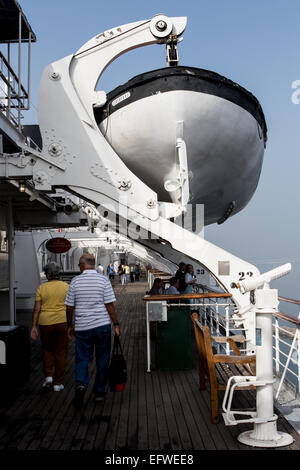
<point x="50" y="313"/>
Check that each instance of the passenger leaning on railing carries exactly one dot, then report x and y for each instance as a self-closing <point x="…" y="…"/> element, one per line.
<point x="189" y="279"/>
<point x="157" y="287"/>
<point x="174" y="285"/>
<point x="180" y="274"/>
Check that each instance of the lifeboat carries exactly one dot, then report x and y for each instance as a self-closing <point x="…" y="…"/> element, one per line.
<point x="222" y="125"/>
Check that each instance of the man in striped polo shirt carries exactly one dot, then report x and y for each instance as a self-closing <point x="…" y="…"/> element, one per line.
<point x="91" y="299"/>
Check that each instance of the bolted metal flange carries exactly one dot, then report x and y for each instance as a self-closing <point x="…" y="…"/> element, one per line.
<point x="40" y="177"/>
<point x="124" y="185"/>
<point x="54" y="76"/>
<point x="55" y="149"/>
<point x="151" y="204"/>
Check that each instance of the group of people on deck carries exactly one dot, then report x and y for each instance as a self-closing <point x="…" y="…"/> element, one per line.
<point x="124" y="272"/>
<point x="83" y="310"/>
<point x="181" y="283"/>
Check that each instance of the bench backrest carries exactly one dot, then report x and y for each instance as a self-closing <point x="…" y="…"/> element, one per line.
<point x="205" y="349"/>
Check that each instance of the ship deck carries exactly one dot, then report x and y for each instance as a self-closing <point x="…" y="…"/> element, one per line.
<point x="161" y="410"/>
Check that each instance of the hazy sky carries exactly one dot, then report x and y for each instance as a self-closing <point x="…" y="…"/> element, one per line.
<point x="254" y="43"/>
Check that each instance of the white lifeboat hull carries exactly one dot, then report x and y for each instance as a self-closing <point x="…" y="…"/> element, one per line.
<point x="225" y="141"/>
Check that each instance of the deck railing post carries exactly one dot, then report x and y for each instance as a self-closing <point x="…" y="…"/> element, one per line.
<point x="218" y="326"/>
<point x="292" y="347"/>
<point x="227" y="330"/>
<point x="8" y="88"/>
<point x="19" y="71"/>
<point x="298" y="354"/>
<point x="148" y="340"/>
<point x="211" y="323"/>
<point x="277" y="346"/>
<point x="11" y="267"/>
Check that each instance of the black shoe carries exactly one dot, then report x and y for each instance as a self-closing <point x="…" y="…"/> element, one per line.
<point x="79" y="394"/>
<point x="100" y="396"/>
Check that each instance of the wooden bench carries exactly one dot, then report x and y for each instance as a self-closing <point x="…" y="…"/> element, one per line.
<point x="218" y="367"/>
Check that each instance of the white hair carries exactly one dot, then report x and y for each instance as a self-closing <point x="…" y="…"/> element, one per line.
<point x="52" y="269"/>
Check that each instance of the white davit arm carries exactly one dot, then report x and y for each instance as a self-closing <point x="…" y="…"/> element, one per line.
<point x="76" y="151"/>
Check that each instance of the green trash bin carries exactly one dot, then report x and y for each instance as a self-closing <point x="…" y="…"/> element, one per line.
<point x="174" y="340"/>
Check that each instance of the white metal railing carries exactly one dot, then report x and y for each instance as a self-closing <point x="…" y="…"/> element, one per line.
<point x="286" y="352"/>
<point x="213" y="309"/>
<point x="286" y="340"/>
<point x="13" y="95"/>
<point x="217" y="313"/>
<point x="30" y="143"/>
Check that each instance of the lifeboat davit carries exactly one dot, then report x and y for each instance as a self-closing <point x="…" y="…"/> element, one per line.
<point x="221" y="123"/>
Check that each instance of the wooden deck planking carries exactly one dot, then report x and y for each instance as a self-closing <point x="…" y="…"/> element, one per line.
<point x="130" y="396"/>
<point x="184" y="434"/>
<point x="174" y="434"/>
<point x="188" y="416"/>
<point x="131" y="438"/>
<point x="142" y="419"/>
<point x="201" y="420"/>
<point x="202" y="399"/>
<point x="161" y="410"/>
<point x="161" y="416"/>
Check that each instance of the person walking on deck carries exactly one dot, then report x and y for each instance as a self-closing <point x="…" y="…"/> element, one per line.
<point x="131" y="274"/>
<point x="100" y="269"/>
<point x="111" y="272"/>
<point x="127" y="272"/>
<point x="122" y="275"/>
<point x="91" y="300"/>
<point x="50" y="313"/>
<point x="137" y="272"/>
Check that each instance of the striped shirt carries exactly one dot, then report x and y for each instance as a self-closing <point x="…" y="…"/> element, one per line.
<point x="88" y="293"/>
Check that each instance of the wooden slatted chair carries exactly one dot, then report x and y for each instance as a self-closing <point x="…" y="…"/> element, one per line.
<point x="211" y="363"/>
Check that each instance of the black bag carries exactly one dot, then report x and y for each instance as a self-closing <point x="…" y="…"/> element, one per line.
<point x="117" y="370"/>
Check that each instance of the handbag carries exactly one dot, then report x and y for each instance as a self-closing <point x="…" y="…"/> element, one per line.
<point x="117" y="372"/>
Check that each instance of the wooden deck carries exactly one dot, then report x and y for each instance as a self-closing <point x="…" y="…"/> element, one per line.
<point x="163" y="410"/>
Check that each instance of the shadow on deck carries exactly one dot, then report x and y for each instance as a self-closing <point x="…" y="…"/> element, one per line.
<point x="163" y="410"/>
